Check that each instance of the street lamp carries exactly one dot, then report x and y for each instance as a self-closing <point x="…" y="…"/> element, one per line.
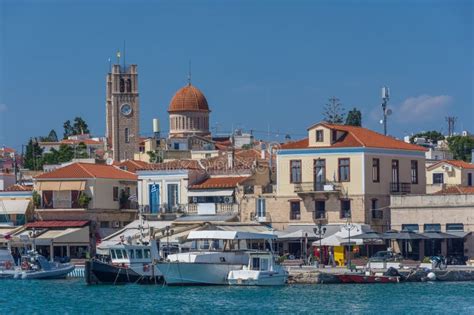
<point x="349" y="226"/>
<point x="321" y="231"/>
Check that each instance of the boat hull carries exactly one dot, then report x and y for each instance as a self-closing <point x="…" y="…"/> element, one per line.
<point x="59" y="273"/>
<point x="245" y="278"/>
<point x="184" y="273"/>
<point x="99" y="272"/>
<point x="367" y="279"/>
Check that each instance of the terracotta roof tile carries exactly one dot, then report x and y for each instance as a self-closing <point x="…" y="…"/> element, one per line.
<point x="174" y="165"/>
<point x="456" y="190"/>
<point x="455" y="163"/>
<point x="19" y="188"/>
<point x="132" y="165"/>
<point x="189" y="98"/>
<point x="358" y="137"/>
<point x="56" y="224"/>
<point x="219" y="182"/>
<point x="86" y="170"/>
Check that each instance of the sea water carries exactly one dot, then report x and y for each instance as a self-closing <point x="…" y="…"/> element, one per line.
<point x="73" y="296"/>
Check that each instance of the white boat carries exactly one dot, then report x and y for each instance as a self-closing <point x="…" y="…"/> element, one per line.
<point x="35" y="266"/>
<point x="215" y="254"/>
<point x="262" y="270"/>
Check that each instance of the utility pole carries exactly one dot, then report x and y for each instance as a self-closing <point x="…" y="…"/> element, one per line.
<point x="451" y="120"/>
<point x="385" y="98"/>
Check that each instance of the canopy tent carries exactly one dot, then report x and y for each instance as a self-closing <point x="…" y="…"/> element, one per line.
<point x="370" y="235"/>
<point x="439" y="235"/>
<point x="14" y="206"/>
<point x="297" y="235"/>
<point x="337" y="240"/>
<point x="228" y="235"/>
<point x="211" y="193"/>
<point x="403" y="235"/>
<point x="64" y="236"/>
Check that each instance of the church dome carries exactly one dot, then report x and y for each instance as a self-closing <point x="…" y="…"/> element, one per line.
<point x="188" y="99"/>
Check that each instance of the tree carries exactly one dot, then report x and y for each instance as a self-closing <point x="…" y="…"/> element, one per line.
<point x="333" y="111"/>
<point x="64" y="154"/>
<point x="461" y="147"/>
<point x="52" y="136"/>
<point x="80" y="151"/>
<point x="354" y="118"/>
<point x="68" y="129"/>
<point x="33" y="155"/>
<point x="154" y="157"/>
<point x="80" y="126"/>
<point x="432" y="136"/>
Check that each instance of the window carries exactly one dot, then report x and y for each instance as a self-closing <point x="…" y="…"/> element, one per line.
<point x="395" y="174"/>
<point x="295" y="171"/>
<point x="344" y="170"/>
<point x="345" y="209"/>
<point x="139" y="253"/>
<point x="112" y="252"/>
<point x="295" y="211"/>
<point x="432" y="227"/>
<point x="319" y="174"/>
<point x="453" y="227"/>
<point x="172" y="195"/>
<point x="127" y="136"/>
<point x="374" y="204"/>
<point x="414" y="172"/>
<point x="132" y="254"/>
<point x="376" y="213"/>
<point x="469" y="179"/>
<point x="376" y="170"/>
<point x="319" y="135"/>
<point x="320" y="209"/>
<point x="115" y="193"/>
<point x="147" y="253"/>
<point x="438" y="178"/>
<point x="260" y="208"/>
<point x="410" y="227"/>
<point x="104" y="224"/>
<point x="122" y="85"/>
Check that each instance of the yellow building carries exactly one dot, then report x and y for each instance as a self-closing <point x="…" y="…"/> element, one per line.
<point x="447" y="173"/>
<point x="339" y="172"/>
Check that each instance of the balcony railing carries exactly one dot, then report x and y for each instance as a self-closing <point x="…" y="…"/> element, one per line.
<point x="220" y="208"/>
<point x="400" y="188"/>
<point x="310" y="187"/>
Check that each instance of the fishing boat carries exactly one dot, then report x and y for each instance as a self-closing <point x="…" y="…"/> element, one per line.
<point x="367" y="278"/>
<point x="125" y="263"/>
<point x="262" y="270"/>
<point x="34" y="266"/>
<point x="214" y="254"/>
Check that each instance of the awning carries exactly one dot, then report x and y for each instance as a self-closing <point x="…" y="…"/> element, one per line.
<point x="62" y="185"/>
<point x="69" y="235"/>
<point x="14" y="206"/>
<point x="460" y="234"/>
<point x="210" y="193"/>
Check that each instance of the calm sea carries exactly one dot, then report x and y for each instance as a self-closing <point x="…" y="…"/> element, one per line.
<point x="75" y="297"/>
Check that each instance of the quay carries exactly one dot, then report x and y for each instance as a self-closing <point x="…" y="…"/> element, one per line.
<point x="315" y="275"/>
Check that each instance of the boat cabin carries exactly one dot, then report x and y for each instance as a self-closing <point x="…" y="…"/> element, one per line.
<point x="229" y="240"/>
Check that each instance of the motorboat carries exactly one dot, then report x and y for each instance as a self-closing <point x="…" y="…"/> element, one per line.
<point x="35" y="266"/>
<point x="367" y="278"/>
<point x="7" y="264"/>
<point x="126" y="263"/>
<point x="214" y="254"/>
<point x="262" y="270"/>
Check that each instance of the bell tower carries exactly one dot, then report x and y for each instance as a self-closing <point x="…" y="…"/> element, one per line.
<point x="122" y="112"/>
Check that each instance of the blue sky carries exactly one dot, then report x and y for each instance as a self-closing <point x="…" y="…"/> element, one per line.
<point x="261" y="64"/>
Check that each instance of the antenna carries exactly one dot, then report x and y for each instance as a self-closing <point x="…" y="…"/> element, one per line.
<point x="124" y="54"/>
<point x="189" y="72"/>
<point x="451" y="120"/>
<point x="386" y="112"/>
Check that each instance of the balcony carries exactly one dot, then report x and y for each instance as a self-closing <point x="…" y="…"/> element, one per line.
<point x="313" y="187"/>
<point x="212" y="208"/>
<point x="400" y="188"/>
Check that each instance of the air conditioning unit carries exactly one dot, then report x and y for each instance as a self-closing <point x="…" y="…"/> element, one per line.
<point x="116" y="224"/>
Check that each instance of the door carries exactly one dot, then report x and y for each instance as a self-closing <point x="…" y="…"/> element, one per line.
<point x="154" y="190"/>
<point x="469" y="179"/>
<point x="172" y="196"/>
<point x="395" y="176"/>
<point x="319" y="174"/>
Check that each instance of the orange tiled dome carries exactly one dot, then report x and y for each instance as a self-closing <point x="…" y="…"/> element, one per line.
<point x="189" y="98"/>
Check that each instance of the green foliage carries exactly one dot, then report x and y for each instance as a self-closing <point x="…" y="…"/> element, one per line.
<point x="80" y="151"/>
<point x="247" y="146"/>
<point x="52" y="136"/>
<point x="433" y="136"/>
<point x="84" y="200"/>
<point x="333" y="111"/>
<point x="461" y="147"/>
<point x="426" y="260"/>
<point x="154" y="157"/>
<point x="36" y="199"/>
<point x="65" y="154"/>
<point x="354" y="118"/>
<point x="78" y="128"/>
<point x="33" y="159"/>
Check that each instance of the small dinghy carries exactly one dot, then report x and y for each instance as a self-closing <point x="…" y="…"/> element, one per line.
<point x="35" y="266"/>
<point x="260" y="271"/>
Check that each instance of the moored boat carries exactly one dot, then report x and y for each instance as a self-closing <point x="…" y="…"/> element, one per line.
<point x="362" y="278"/>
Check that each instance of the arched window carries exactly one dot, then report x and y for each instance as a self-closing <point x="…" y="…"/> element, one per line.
<point x="122" y="85"/>
<point x="127" y="136"/>
<point x="129" y="85"/>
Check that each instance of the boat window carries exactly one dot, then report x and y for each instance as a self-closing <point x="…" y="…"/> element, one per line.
<point x="263" y="263"/>
<point x="139" y="254"/>
<point x="132" y="254"/>
<point x="255" y="263"/>
<point x="124" y="254"/>
<point x="119" y="254"/>
<point x="112" y="253"/>
<point x="147" y="253"/>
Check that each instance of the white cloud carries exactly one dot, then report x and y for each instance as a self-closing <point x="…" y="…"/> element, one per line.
<point x="3" y="108"/>
<point x="422" y="108"/>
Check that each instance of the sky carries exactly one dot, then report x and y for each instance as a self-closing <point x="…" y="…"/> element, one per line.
<point x="262" y="65"/>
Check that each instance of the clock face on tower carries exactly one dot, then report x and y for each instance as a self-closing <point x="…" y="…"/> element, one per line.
<point x="126" y="109"/>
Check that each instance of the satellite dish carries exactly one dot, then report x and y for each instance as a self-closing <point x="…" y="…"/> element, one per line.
<point x="389" y="112"/>
<point x="381" y="121"/>
<point x="109" y="161"/>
